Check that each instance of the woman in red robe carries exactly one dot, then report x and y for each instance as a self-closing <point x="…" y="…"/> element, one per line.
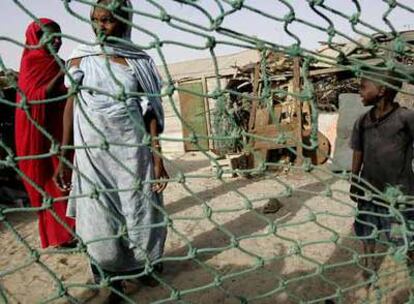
<point x="41" y="78"/>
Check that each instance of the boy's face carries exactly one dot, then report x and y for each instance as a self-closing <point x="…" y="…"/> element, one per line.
<point x="370" y="92"/>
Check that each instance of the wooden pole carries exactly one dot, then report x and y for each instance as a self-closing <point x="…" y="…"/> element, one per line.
<point x="296" y="90"/>
<point x="256" y="79"/>
<point x="211" y="145"/>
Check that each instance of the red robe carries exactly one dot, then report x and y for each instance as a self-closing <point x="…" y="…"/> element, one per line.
<point x="38" y="67"/>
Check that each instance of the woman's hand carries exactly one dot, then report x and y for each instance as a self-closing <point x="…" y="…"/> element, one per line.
<point x="159" y="174"/>
<point x="62" y="177"/>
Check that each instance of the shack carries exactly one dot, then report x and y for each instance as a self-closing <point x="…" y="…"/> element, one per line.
<point x="280" y="119"/>
<point x="190" y="109"/>
<point x="193" y="117"/>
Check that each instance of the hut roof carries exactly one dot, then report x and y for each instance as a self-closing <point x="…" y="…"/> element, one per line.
<point x="227" y="65"/>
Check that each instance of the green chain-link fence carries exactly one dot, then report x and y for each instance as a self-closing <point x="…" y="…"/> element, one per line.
<point x="256" y="215"/>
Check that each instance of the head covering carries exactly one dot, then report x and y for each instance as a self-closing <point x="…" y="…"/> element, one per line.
<point x="37" y="67"/>
<point x="142" y="64"/>
<point x="112" y="47"/>
<point x="120" y="3"/>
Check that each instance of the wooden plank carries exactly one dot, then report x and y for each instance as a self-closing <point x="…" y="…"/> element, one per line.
<point x="260" y="145"/>
<point x="277" y="113"/>
<point x="262" y="118"/>
<point x="334" y="70"/>
<point x="193" y="113"/>
<point x="274" y="130"/>
<point x="260" y="155"/>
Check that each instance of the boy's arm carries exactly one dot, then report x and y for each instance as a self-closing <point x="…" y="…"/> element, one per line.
<point x="356" y="144"/>
<point x="356" y="162"/>
<point x="355" y="191"/>
<point x="409" y="121"/>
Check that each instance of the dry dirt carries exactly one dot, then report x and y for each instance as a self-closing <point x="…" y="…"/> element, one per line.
<point x="311" y="255"/>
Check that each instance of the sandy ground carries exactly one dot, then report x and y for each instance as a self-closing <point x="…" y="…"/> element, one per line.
<point x="221" y="248"/>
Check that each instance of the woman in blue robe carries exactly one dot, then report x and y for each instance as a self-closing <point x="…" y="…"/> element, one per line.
<point x="118" y="176"/>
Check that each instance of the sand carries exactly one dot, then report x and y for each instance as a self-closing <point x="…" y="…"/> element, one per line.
<point x="304" y="252"/>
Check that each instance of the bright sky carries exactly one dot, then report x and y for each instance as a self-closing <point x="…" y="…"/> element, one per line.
<point x="15" y="20"/>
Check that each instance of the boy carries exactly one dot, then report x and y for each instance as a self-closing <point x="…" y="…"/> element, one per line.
<point x="382" y="144"/>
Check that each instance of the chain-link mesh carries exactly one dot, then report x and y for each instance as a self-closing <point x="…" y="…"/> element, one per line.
<point x="257" y="214"/>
